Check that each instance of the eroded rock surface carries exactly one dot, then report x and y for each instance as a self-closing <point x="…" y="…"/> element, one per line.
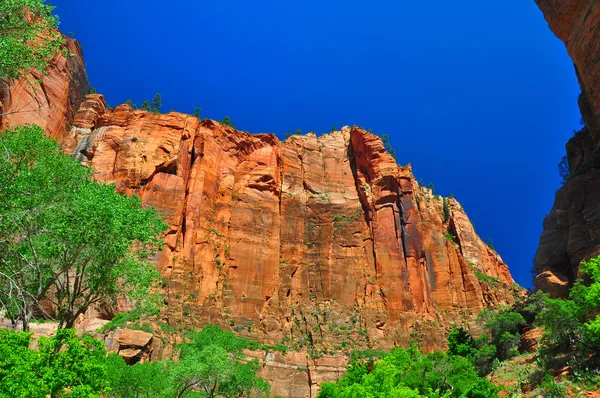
<point x="49" y="100"/>
<point x="320" y="242"/>
<point x="572" y="229"/>
<point x="324" y="243"/>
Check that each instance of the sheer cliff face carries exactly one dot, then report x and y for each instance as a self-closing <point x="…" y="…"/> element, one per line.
<point x="322" y="241"/>
<point x="49" y="100"/>
<point x="572" y="229"/>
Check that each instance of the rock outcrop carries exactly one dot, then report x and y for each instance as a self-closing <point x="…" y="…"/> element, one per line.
<point x="323" y="244"/>
<point x="48" y="99"/>
<point x="318" y="242"/>
<point x="572" y="229"/>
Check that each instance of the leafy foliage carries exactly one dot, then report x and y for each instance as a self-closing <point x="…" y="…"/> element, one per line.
<point x="212" y="364"/>
<point x="28" y="36"/>
<point x="64" y="233"/>
<point x="63" y="366"/>
<point x="564" y="170"/>
<point x="409" y="373"/>
<point x="505" y="330"/>
<point x="146" y="106"/>
<point x="572" y="326"/>
<point x="142" y="380"/>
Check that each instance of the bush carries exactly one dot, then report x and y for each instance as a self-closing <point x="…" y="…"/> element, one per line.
<point x="409" y="373"/>
<point x="505" y="330"/>
<point x="63" y="365"/>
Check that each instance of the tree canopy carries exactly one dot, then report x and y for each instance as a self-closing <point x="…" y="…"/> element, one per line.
<point x="408" y="373"/>
<point x="62" y="366"/>
<point x="28" y="36"/>
<point x="65" y="238"/>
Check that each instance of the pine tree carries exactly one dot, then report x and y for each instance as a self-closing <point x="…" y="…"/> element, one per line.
<point x="446" y="210"/>
<point x="197" y="112"/>
<point x="227" y="122"/>
<point x="156" y="103"/>
<point x="388" y="145"/>
<point x="145" y="106"/>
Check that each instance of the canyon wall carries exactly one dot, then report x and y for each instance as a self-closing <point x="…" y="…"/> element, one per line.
<point x="48" y="99"/>
<point x="323" y="244"/>
<point x="572" y="229"/>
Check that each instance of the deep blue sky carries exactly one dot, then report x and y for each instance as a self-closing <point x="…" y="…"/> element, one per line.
<point x="478" y="95"/>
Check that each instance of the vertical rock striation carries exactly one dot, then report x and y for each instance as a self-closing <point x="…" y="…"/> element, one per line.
<point x="319" y="242"/>
<point x="49" y="100"/>
<point x="572" y="229"/>
<point x="322" y="243"/>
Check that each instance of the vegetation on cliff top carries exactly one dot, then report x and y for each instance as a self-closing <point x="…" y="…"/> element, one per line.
<point x="28" y="36"/>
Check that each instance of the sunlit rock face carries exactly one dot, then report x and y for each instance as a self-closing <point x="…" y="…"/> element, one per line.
<point x="48" y="99"/>
<point x="572" y="229"/>
<point x="323" y="242"/>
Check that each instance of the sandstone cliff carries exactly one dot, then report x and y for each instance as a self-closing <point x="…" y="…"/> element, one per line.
<point x="49" y="100"/>
<point x="320" y="242"/>
<point x="323" y="242"/>
<point x="572" y="229"/>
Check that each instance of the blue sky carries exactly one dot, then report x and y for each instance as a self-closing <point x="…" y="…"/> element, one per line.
<point x="479" y="96"/>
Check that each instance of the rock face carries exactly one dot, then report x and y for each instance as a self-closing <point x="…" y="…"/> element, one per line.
<point x="324" y="244"/>
<point x="49" y="100"/>
<point x="319" y="242"/>
<point x="572" y="229"/>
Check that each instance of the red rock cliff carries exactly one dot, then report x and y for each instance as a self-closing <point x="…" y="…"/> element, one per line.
<point x="49" y="100"/>
<point x="324" y="242"/>
<point x="572" y="229"/>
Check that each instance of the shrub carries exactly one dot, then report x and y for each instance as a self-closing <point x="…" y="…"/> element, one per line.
<point x="63" y="365"/>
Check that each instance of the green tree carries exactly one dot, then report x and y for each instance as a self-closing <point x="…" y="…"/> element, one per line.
<point x="460" y="342"/>
<point x="63" y="366"/>
<point x="446" y="210"/>
<point x="156" y="103"/>
<point x="146" y="106"/>
<point x="388" y="145"/>
<point x="197" y="112"/>
<point x="142" y="380"/>
<point x="66" y="234"/>
<point x="131" y="104"/>
<point x="564" y="171"/>
<point x="505" y="330"/>
<point x="28" y="37"/>
<point x="213" y="362"/>
<point x="227" y="122"/>
<point x="409" y="373"/>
